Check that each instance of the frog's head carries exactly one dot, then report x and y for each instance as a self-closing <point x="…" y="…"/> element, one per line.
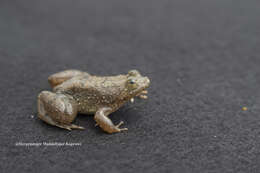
<point x="136" y="83"/>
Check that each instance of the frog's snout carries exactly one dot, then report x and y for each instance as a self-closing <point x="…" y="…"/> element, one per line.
<point x="147" y="81"/>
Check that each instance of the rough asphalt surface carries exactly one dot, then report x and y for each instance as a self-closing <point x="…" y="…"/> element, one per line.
<point x="203" y="58"/>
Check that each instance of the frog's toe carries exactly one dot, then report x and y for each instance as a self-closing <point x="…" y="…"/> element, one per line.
<point x="119" y="124"/>
<point x="143" y="94"/>
<point x="67" y="127"/>
<point x="73" y="126"/>
<point x="70" y="126"/>
<point x="123" y="129"/>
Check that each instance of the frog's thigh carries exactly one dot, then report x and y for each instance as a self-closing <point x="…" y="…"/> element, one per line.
<point x="57" y="109"/>
<point x="101" y="117"/>
<point x="63" y="76"/>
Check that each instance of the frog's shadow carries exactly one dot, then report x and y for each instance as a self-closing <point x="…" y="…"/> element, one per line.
<point x="127" y="114"/>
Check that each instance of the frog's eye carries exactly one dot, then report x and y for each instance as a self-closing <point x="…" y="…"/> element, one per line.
<point x="132" y="84"/>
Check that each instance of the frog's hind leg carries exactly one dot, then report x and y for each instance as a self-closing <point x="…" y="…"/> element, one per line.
<point x="57" y="109"/>
<point x="63" y="76"/>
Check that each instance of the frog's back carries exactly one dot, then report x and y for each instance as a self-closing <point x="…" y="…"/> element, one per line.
<point x="93" y="92"/>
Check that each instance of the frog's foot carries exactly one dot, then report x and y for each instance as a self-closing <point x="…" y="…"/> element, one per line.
<point x="70" y="126"/>
<point x="119" y="124"/>
<point x="101" y="117"/>
<point x="143" y="94"/>
<point x="57" y="110"/>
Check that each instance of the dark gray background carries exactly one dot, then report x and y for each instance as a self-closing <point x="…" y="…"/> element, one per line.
<point x="202" y="58"/>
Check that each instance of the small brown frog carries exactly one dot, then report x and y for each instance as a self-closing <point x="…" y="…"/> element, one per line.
<point x="75" y="92"/>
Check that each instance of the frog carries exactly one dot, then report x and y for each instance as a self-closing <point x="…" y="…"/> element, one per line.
<point x="77" y="92"/>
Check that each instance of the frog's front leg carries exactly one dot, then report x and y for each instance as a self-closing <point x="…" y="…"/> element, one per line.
<point x="101" y="117"/>
<point x="141" y="95"/>
<point x="57" y="109"/>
